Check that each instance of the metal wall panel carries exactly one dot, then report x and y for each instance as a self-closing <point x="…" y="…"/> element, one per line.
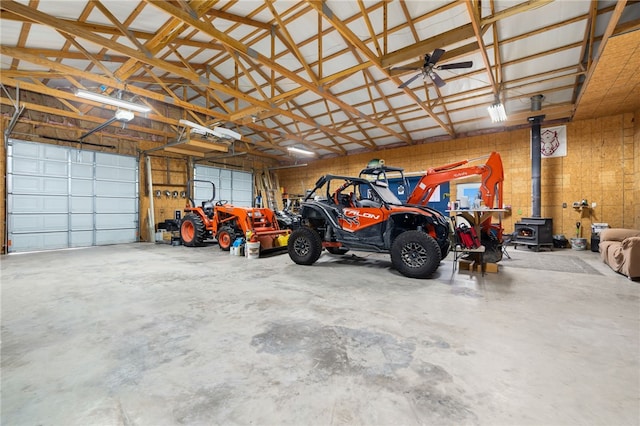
<point x="61" y="197"/>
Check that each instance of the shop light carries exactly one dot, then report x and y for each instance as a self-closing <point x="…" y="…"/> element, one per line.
<point x="300" y="151"/>
<point x="108" y="100"/>
<point x="497" y="112"/>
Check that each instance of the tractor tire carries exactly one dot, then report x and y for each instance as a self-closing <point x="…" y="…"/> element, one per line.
<point x="415" y="254"/>
<point x="192" y="230"/>
<point x="226" y="236"/>
<point x="337" y="250"/>
<point x="305" y="246"/>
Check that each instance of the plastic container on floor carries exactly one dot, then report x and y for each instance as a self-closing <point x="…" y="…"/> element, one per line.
<point x="579" y="244"/>
<point x="252" y="249"/>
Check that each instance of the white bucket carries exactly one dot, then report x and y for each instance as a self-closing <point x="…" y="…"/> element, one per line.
<point x="578" y="244"/>
<point x="252" y="250"/>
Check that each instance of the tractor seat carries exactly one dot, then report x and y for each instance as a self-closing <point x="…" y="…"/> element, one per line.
<point x="207" y="208"/>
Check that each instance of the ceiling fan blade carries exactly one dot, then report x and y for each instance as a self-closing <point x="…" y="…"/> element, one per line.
<point x="437" y="80"/>
<point x="467" y="64"/>
<point x="405" y="69"/>
<point x="435" y="56"/>
<point x="406" y="83"/>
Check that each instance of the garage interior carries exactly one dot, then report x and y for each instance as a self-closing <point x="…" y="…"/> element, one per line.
<point x="116" y="114"/>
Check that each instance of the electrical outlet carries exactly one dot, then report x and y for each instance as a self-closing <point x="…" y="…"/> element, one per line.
<point x="564" y="205"/>
<point x="593" y="205"/>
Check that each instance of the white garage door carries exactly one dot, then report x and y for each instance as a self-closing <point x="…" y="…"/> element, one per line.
<point x="232" y="185"/>
<point x="60" y="197"/>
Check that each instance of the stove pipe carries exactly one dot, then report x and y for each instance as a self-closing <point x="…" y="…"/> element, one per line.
<point x="536" y="156"/>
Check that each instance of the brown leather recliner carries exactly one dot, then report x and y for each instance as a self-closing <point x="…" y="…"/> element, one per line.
<point x="620" y="249"/>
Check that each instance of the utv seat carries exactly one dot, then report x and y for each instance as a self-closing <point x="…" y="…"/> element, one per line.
<point x="369" y="203"/>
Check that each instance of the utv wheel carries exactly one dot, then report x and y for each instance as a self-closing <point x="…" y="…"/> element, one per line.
<point x="304" y="246"/>
<point x="415" y="254"/>
<point x="337" y="250"/>
<point x="192" y="230"/>
<point x="225" y="237"/>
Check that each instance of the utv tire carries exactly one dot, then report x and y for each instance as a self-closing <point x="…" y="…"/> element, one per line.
<point x="192" y="230"/>
<point x="337" y="250"/>
<point x="225" y="237"/>
<point x="415" y="254"/>
<point x="304" y="246"/>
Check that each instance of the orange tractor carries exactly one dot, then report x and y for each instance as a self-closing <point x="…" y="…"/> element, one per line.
<point x="226" y="222"/>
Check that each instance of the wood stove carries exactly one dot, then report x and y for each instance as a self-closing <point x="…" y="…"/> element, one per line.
<point x="534" y="232"/>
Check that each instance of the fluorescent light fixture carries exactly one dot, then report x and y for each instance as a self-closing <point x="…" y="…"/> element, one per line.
<point x="288" y="167"/>
<point x="219" y="132"/>
<point x="124" y="115"/>
<point x="497" y="112"/>
<point x="112" y="101"/>
<point x="300" y="151"/>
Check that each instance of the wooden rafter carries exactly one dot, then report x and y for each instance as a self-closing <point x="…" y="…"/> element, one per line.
<point x="322" y="8"/>
<point x="474" y="14"/>
<point x="181" y="68"/>
<point x="243" y="49"/>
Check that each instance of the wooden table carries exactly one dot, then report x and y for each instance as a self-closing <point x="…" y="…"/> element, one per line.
<point x="475" y="217"/>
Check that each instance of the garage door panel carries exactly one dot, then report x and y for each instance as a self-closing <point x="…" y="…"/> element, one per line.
<point x="208" y="173"/>
<point x="81" y="205"/>
<point x="242" y="198"/>
<point x="52" y="152"/>
<point x="103" y="159"/>
<point x="240" y="185"/>
<point x="40" y="241"/>
<point x="46" y="204"/>
<point x="34" y="150"/>
<point x="225" y="194"/>
<point x="81" y="187"/>
<point x="53" y="168"/>
<point x="81" y="238"/>
<point x="82" y="171"/>
<point x="27" y="166"/>
<point x="114" y="221"/>
<point x="114" y="189"/>
<point x="55" y="199"/>
<point x="115" y="174"/>
<point x="232" y="185"/>
<point x="116" y="236"/>
<point x="82" y="222"/>
<point x="38" y="185"/>
<point x="23" y="150"/>
<point x="116" y="205"/>
<point x="26" y="223"/>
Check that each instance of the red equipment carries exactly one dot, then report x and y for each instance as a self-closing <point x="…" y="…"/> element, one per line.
<point x="492" y="177"/>
<point x="490" y="186"/>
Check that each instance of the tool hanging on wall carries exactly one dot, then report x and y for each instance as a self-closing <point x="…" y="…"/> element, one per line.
<point x="578" y="224"/>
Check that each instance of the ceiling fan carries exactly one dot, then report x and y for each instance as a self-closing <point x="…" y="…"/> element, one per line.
<point x="427" y="69"/>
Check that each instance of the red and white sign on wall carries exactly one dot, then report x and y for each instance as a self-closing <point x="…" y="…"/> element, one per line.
<point x="553" y="142"/>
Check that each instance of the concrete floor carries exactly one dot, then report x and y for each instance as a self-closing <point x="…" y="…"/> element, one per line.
<point x="151" y="334"/>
